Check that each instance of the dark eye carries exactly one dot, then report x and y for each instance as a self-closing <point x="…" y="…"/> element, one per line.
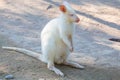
<point x="71" y="14"/>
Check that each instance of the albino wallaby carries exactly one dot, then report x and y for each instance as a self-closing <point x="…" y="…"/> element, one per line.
<point x="56" y="40"/>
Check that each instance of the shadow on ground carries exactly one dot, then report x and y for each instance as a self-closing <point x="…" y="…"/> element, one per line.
<point x="25" y="27"/>
<point x="27" y="68"/>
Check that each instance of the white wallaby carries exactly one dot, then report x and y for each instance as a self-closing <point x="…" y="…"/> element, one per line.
<point x="56" y="40"/>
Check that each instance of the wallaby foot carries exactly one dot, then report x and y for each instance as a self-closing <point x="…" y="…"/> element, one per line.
<point x="74" y="64"/>
<point x="54" y="69"/>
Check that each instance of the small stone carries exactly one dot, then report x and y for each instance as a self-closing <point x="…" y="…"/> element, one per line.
<point x="50" y="6"/>
<point x="115" y="39"/>
<point x="9" y="76"/>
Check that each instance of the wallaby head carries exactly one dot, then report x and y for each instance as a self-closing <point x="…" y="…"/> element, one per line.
<point x="69" y="12"/>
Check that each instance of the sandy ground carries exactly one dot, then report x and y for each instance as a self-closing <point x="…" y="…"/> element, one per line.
<point x="21" y="22"/>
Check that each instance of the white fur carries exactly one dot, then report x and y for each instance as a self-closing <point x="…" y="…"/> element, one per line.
<point x="27" y="52"/>
<point x="56" y="41"/>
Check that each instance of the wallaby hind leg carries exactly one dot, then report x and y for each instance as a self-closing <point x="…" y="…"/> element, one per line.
<point x="53" y="68"/>
<point x="73" y="64"/>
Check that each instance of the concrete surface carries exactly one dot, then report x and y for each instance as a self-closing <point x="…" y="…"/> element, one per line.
<point x="22" y="21"/>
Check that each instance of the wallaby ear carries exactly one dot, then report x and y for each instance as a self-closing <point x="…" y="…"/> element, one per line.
<point x="62" y="8"/>
<point x="65" y="3"/>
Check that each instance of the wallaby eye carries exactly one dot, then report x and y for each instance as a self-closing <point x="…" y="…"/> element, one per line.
<point x="71" y="14"/>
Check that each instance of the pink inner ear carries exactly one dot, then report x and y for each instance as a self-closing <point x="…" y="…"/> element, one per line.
<point x="62" y="8"/>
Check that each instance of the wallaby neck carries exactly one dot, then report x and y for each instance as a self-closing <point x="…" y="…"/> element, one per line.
<point x="64" y="18"/>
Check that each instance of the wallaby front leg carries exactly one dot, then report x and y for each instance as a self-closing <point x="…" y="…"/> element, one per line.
<point x="67" y="42"/>
<point x="71" y="41"/>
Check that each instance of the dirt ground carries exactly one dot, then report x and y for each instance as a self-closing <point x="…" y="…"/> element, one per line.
<point x="21" y="22"/>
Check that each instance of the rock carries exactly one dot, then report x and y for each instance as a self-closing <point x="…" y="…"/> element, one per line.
<point x="9" y="76"/>
<point x="50" y="6"/>
<point x="115" y="39"/>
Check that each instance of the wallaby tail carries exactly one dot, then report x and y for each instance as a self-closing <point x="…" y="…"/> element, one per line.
<point x="24" y="51"/>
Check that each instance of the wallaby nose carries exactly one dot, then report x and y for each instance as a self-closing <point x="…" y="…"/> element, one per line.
<point x="77" y="20"/>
